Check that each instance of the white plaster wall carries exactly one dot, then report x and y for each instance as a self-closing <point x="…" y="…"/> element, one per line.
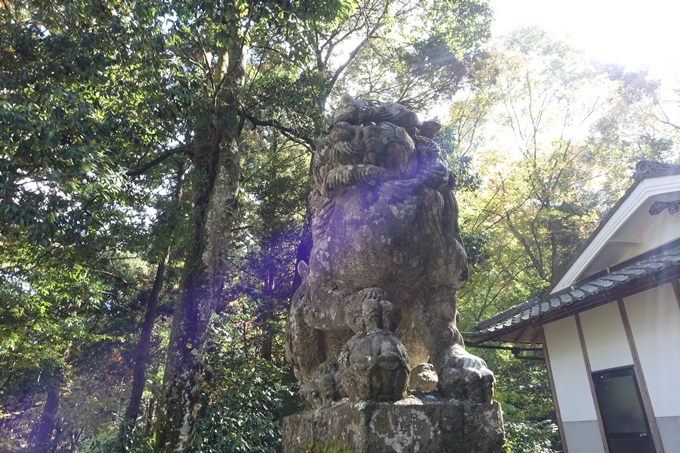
<point x="669" y="429"/>
<point x="569" y="371"/>
<point x="655" y="322"/>
<point x="605" y="338"/>
<point x="583" y="437"/>
<point x="665" y="228"/>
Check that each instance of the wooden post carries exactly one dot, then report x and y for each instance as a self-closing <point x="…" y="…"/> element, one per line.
<point x="589" y="370"/>
<point x="644" y="393"/>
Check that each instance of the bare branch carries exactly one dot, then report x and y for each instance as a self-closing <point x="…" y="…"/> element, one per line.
<point x="287" y="132"/>
<point x="160" y="158"/>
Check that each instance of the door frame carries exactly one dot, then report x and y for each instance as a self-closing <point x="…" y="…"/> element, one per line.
<point x="620" y="372"/>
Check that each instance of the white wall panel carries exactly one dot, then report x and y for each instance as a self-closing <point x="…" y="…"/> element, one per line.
<point x="655" y="321"/>
<point x="669" y="429"/>
<point x="583" y="437"/>
<point x="605" y="338"/>
<point x="664" y="229"/>
<point x="569" y="371"/>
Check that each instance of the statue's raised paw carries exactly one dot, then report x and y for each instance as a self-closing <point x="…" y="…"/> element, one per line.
<point x="374" y="365"/>
<point x="466" y="376"/>
<point x="324" y="386"/>
<point x="370" y="310"/>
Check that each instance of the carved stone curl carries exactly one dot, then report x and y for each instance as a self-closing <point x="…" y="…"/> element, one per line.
<point x="386" y="261"/>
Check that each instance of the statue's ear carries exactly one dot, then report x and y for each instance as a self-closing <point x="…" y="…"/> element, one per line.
<point x="346" y="99"/>
<point x="303" y="270"/>
<point x="429" y="129"/>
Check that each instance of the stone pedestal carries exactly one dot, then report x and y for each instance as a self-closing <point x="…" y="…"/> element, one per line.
<point x="423" y="423"/>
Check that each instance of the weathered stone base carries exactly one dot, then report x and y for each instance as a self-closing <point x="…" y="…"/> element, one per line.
<point x="423" y="423"/>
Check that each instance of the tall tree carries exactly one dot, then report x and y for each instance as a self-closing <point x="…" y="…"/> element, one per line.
<point x="76" y="117"/>
<point x="100" y="98"/>
<point x="171" y="218"/>
<point x="637" y="125"/>
<point x="211" y="38"/>
<point x="287" y="99"/>
<point x="527" y="127"/>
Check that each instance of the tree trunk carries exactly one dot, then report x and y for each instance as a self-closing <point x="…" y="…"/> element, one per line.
<point x="149" y="416"/>
<point x="215" y="181"/>
<point x="303" y="251"/>
<point x="41" y="434"/>
<point x="142" y="353"/>
<point x="267" y="317"/>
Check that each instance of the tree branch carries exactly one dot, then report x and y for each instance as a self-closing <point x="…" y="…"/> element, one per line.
<point x="160" y="158"/>
<point x="288" y="132"/>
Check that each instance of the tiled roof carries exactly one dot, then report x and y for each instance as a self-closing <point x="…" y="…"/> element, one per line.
<point x="520" y="324"/>
<point x="624" y="278"/>
<point x="650" y="169"/>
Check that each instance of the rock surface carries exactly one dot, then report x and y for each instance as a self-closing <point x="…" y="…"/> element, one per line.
<point x="423" y="378"/>
<point x="423" y="423"/>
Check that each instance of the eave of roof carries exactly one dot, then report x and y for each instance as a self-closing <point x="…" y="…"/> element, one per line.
<point x="521" y="324"/>
<point x="645" y="169"/>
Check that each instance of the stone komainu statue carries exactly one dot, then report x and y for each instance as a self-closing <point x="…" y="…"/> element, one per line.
<point x="379" y="292"/>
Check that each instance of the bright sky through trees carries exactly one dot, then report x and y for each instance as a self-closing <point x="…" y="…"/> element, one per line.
<point x="632" y="33"/>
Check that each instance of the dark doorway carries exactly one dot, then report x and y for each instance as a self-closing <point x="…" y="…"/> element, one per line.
<point x="623" y="415"/>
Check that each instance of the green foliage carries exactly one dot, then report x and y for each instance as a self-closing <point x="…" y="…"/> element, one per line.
<point x="423" y="53"/>
<point x="70" y="99"/>
<point x="523" y="391"/>
<point x="243" y="397"/>
<point x="536" y="179"/>
<point x="64" y="319"/>
<point x="532" y="437"/>
<point x="139" y="441"/>
<point x="458" y="160"/>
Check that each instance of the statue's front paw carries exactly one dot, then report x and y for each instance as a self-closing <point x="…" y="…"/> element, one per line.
<point x="369" y="309"/>
<point x="466" y="376"/>
<point x="374" y="366"/>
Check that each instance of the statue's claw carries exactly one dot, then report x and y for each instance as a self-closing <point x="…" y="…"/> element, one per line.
<point x="466" y="376"/>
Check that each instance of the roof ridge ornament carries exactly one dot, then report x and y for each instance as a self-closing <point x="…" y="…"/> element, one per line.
<point x="650" y="169"/>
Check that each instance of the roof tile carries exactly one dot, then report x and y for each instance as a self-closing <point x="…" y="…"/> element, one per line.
<point x="578" y="294"/>
<point x="621" y="278"/>
<point x="657" y="265"/>
<point x="602" y="283"/>
<point x="590" y="289"/>
<point x="635" y="272"/>
<point x="523" y="313"/>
